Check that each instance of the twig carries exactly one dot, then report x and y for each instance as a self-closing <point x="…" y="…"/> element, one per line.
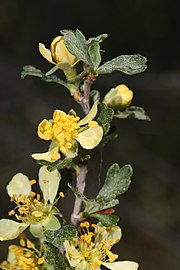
<point x="80" y="184"/>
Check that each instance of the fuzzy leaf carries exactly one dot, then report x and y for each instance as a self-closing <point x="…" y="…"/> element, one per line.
<point x="98" y="39"/>
<point x="117" y="181"/>
<point x="76" y="44"/>
<point x="128" y="64"/>
<point x="58" y="237"/>
<point x="107" y="220"/>
<point x="53" y="257"/>
<point x="132" y="112"/>
<point x="33" y="71"/>
<point x="94" y="95"/>
<point x="94" y="53"/>
<point x="104" y="117"/>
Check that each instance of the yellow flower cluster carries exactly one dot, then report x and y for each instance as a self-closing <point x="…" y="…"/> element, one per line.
<point x="25" y="257"/>
<point x="92" y="248"/>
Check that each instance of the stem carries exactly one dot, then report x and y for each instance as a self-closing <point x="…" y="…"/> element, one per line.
<point x="80" y="184"/>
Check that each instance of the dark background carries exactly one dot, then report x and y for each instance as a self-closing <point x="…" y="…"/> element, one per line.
<point x="149" y="211"/>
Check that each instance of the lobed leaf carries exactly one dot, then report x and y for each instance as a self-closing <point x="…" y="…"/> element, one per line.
<point x="117" y="181"/>
<point x="57" y="238"/>
<point x="53" y="257"/>
<point x="98" y="39"/>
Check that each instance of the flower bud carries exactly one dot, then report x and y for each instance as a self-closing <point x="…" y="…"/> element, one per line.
<point x="119" y="97"/>
<point x="58" y="52"/>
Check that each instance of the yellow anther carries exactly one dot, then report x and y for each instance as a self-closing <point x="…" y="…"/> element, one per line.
<point x="112" y="257"/>
<point x="30" y="244"/>
<point x="93" y="124"/>
<point x="93" y="225"/>
<point x="85" y="224"/>
<point x="86" y="254"/>
<point x="41" y="260"/>
<point x="61" y="194"/>
<point x="32" y="182"/>
<point x="100" y="230"/>
<point x="32" y="194"/>
<point x="11" y="213"/>
<point x="22" y="242"/>
<point x="38" y="196"/>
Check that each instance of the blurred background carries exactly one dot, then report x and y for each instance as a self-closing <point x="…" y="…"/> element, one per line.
<point x="149" y="211"/>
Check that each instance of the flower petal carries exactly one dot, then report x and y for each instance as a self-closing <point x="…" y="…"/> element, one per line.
<point x="125" y="265"/>
<point x="73" y="256"/>
<point x="19" y="185"/>
<point x="10" y="229"/>
<point x="50" y="156"/>
<point x="37" y="230"/>
<point x="52" y="223"/>
<point x="107" y="233"/>
<point x="49" y="183"/>
<point x="45" y="130"/>
<point x="91" y="137"/>
<point x="46" y="53"/>
<point x="90" y="116"/>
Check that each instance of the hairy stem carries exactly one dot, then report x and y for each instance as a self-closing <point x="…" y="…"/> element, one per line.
<point x="80" y="184"/>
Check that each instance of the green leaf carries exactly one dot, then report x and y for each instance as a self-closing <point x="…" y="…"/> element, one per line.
<point x="132" y="112"/>
<point x="117" y="181"/>
<point x="94" y="53"/>
<point x="98" y="39"/>
<point x="33" y="71"/>
<point x="94" y="205"/>
<point x="107" y="220"/>
<point x="111" y="135"/>
<point x="58" y="237"/>
<point x="60" y="164"/>
<point x="104" y="117"/>
<point x="128" y="64"/>
<point x="53" y="257"/>
<point x="76" y="44"/>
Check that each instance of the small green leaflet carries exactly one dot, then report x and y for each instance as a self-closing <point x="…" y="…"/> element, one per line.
<point x="128" y="64"/>
<point x="53" y="257"/>
<point x="98" y="39"/>
<point x="107" y="220"/>
<point x="94" y="53"/>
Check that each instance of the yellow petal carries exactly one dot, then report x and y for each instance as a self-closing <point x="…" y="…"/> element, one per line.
<point x="61" y="53"/>
<point x="10" y="229"/>
<point x="73" y="256"/>
<point x="49" y="183"/>
<point x="19" y="185"/>
<point x="90" y="138"/>
<point x="124" y="265"/>
<point x="90" y="116"/>
<point x="50" y="156"/>
<point x="45" y="130"/>
<point x="46" y="53"/>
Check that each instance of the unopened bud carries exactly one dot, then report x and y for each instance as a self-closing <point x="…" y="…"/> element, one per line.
<point x="119" y="97"/>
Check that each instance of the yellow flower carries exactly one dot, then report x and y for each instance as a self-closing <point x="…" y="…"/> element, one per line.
<point x="25" y="257"/>
<point x="65" y="131"/>
<point x="30" y="210"/>
<point x="92" y="249"/>
<point x="119" y="97"/>
<point x="58" y="54"/>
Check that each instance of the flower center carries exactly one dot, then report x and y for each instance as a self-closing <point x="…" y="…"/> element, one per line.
<point x="93" y="247"/>
<point x="30" y="209"/>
